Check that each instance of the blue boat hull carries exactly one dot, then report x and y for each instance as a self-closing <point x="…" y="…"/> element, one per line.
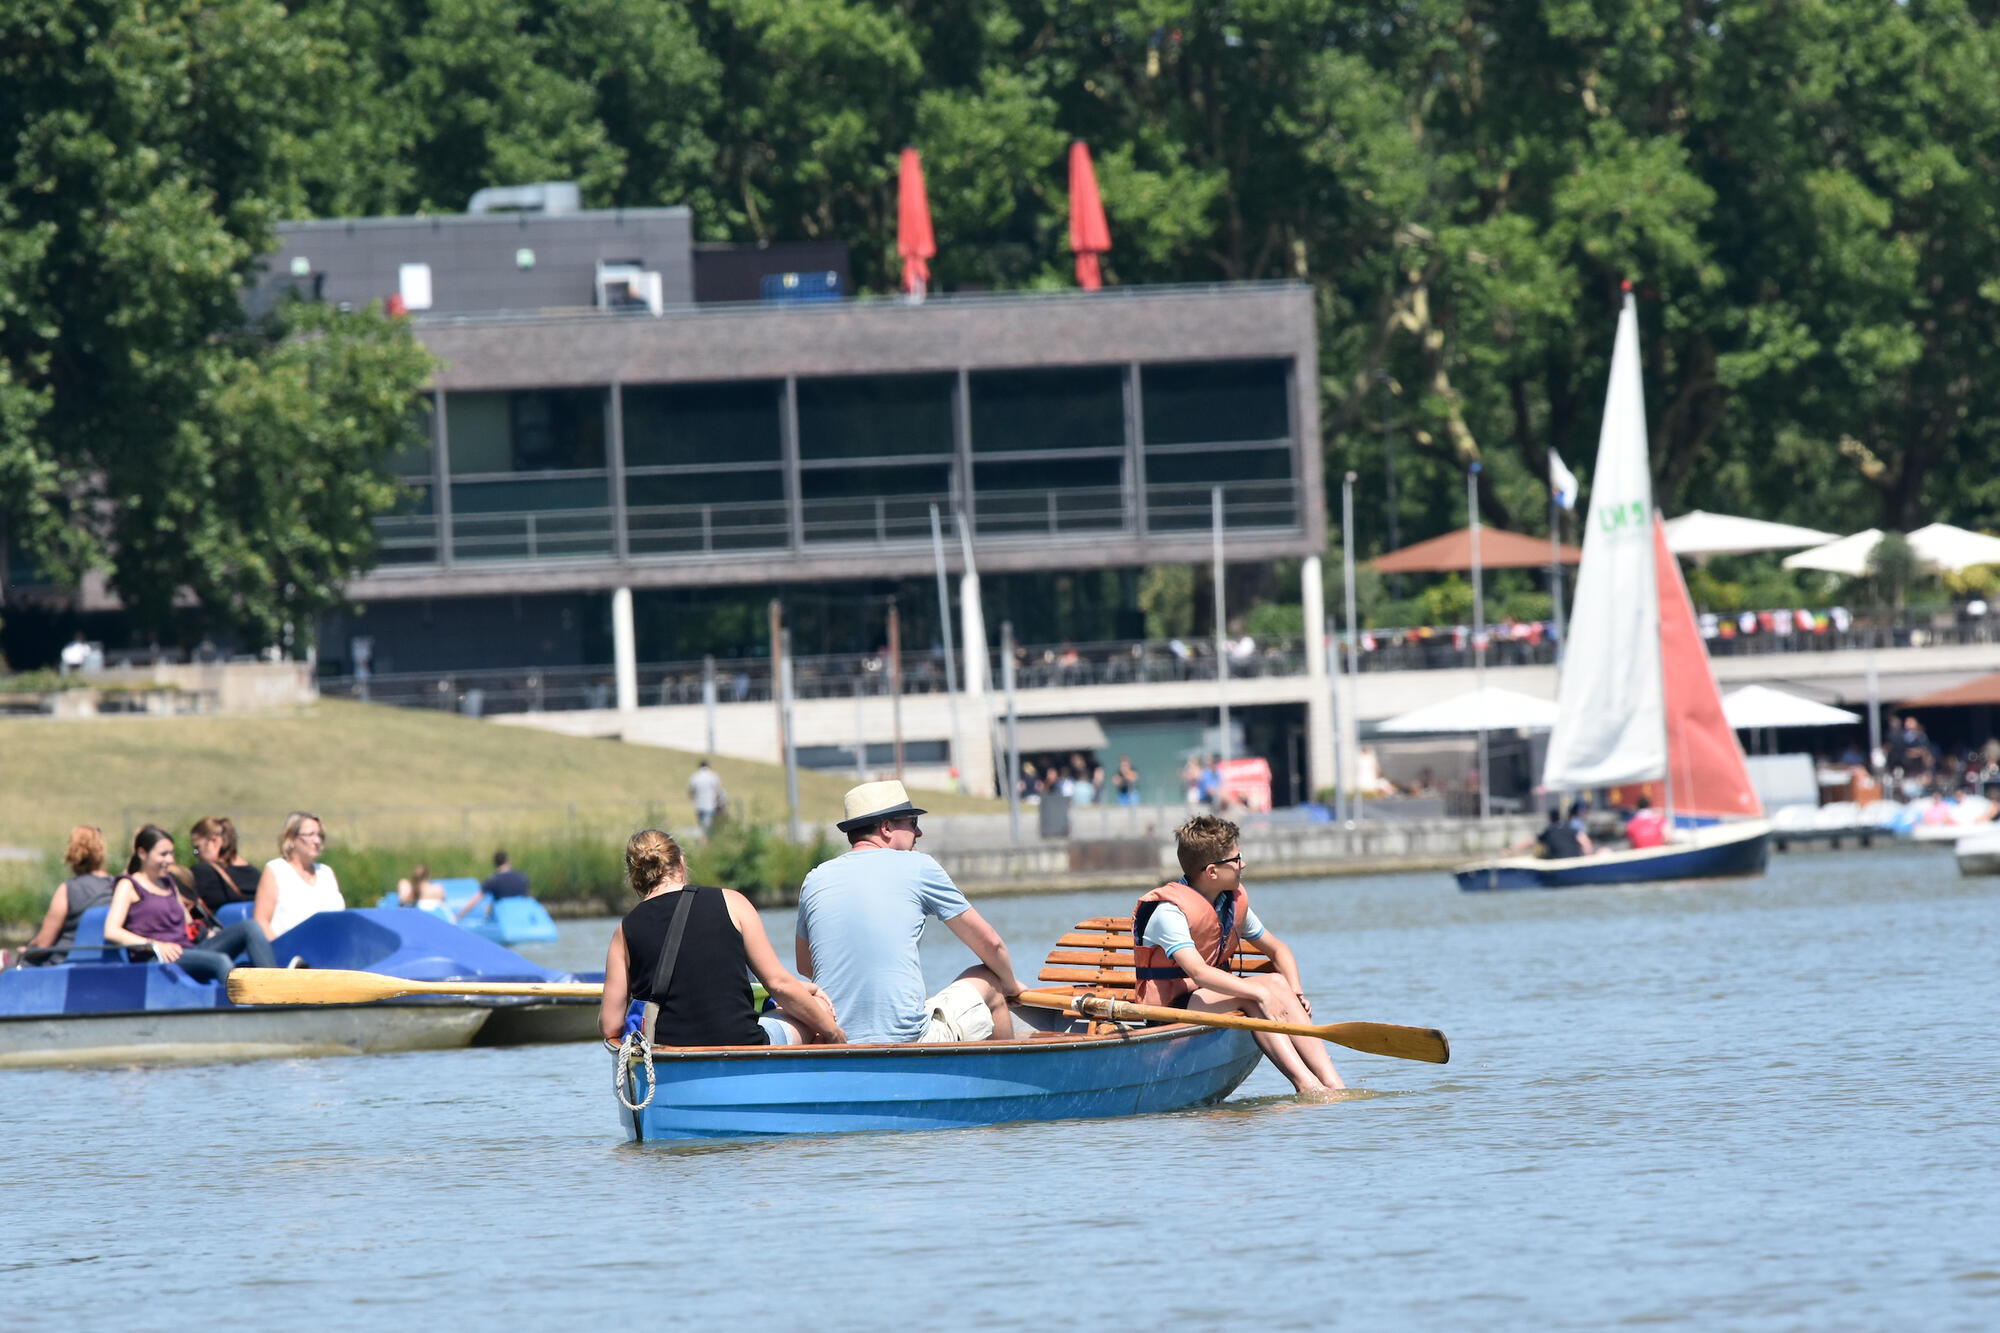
<point x="1712" y="851"/>
<point x="809" y="1090"/>
<point x="98" y="1008"/>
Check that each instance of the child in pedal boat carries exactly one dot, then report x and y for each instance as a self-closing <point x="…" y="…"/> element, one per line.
<point x="1185" y="932"/>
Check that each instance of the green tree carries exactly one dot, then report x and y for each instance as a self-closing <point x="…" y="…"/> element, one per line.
<point x="145" y="426"/>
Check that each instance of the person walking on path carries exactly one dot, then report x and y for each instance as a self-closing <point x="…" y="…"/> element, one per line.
<point x="706" y="791"/>
<point x="1185" y="933"/>
<point x="861" y="915"/>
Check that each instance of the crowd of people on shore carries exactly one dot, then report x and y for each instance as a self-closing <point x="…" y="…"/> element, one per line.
<point x="1081" y="781"/>
<point x="161" y="909"/>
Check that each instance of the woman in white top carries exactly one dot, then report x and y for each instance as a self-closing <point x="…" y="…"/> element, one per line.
<point x="296" y="885"/>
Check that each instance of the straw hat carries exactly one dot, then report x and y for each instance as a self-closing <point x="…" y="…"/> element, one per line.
<point x="873" y="802"/>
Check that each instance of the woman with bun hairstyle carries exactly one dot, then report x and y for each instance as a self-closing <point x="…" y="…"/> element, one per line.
<point x="708" y="1000"/>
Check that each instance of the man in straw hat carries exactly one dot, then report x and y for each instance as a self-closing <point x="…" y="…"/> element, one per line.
<point x="861" y="915"/>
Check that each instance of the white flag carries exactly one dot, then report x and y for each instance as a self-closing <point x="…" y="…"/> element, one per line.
<point x="1562" y="482"/>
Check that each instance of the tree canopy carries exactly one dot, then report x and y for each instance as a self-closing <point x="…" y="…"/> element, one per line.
<point x="1803" y="193"/>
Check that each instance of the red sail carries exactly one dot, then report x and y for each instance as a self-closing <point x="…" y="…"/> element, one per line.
<point x="1706" y="763"/>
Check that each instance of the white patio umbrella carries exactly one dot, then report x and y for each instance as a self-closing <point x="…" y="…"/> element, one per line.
<point x="1848" y="556"/>
<point x="1757" y="707"/>
<point x="1953" y="548"/>
<point x="1699" y="534"/>
<point x="1491" y="708"/>
<point x="1940" y="544"/>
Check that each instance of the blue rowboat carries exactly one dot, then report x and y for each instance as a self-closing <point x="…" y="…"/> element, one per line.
<point x="1708" y="851"/>
<point x="507" y="921"/>
<point x="733" y="1092"/>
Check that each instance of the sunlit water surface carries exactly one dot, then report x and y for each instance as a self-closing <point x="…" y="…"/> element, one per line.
<point x="1763" y="1104"/>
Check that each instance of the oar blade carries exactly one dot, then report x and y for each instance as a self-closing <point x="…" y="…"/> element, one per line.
<point x="1398" y="1043"/>
<point x="283" y="985"/>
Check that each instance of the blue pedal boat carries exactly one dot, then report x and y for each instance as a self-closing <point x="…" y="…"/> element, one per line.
<point x="735" y="1092"/>
<point x="99" y="1007"/>
<point x="1728" y="849"/>
<point x="507" y="921"/>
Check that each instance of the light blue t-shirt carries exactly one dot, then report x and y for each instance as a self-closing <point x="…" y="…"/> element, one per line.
<point x="1167" y="928"/>
<point x="861" y="915"/>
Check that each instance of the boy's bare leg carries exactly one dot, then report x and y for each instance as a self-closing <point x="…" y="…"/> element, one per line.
<point x="1281" y="1004"/>
<point x="1280" y="1048"/>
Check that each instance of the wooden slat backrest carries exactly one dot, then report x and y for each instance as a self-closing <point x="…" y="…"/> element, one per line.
<point x="1096" y="958"/>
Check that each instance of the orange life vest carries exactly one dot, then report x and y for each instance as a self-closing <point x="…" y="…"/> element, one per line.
<point x="1159" y="980"/>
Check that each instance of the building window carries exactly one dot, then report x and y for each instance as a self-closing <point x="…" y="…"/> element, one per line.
<point x="535" y="430"/>
<point x="875" y="416"/>
<point x="695" y="425"/>
<point x="1040" y="410"/>
<point x="1219" y="403"/>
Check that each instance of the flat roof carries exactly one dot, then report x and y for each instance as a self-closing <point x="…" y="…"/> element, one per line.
<point x="692" y="344"/>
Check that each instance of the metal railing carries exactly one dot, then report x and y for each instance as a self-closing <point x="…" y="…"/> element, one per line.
<point x="1066" y="666"/>
<point x="696" y="530"/>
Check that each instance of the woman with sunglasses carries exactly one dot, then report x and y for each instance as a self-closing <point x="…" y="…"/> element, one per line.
<point x="297" y="885"/>
<point x="221" y="875"/>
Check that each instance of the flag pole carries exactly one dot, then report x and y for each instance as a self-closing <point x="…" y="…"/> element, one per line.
<point x="1478" y="629"/>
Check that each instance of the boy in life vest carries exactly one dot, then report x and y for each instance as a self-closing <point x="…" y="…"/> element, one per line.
<point x="1184" y="934"/>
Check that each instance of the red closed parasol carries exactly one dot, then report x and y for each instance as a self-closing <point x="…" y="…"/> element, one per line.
<point x="914" y="241"/>
<point x="1089" y="236"/>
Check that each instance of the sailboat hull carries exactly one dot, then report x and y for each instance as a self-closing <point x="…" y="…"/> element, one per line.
<point x="1713" y="851"/>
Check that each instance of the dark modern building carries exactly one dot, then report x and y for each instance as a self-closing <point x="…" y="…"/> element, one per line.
<point x="620" y="410"/>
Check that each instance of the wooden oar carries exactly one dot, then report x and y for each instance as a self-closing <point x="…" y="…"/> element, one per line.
<point x="283" y="985"/>
<point x="1400" y="1043"/>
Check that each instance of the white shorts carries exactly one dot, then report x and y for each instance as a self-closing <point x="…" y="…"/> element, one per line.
<point x="958" y="1013"/>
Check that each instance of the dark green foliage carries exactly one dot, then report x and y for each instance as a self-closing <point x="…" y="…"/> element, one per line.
<point x="1801" y="194"/>
<point x="587" y="864"/>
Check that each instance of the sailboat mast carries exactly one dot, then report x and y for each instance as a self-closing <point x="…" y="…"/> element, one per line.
<point x="1666" y="728"/>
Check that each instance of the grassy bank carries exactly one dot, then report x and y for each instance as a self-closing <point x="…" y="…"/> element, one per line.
<point x="380" y="777"/>
<point x="395" y="787"/>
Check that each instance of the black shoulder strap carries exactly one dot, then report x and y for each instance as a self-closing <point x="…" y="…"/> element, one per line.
<point x="663" y="975"/>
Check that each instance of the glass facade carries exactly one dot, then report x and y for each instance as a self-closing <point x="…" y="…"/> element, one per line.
<point x="1215" y="424"/>
<point x="771" y="465"/>
<point x="704" y="467"/>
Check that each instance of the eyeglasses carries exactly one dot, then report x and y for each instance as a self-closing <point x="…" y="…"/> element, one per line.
<point x="1236" y="860"/>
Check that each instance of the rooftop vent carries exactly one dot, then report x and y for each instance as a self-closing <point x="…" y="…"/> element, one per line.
<point x="548" y="197"/>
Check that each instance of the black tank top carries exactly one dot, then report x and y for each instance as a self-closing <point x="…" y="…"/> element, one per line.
<point x="708" y="1002"/>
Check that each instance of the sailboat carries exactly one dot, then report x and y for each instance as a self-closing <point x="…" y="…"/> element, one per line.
<point x="1637" y="704"/>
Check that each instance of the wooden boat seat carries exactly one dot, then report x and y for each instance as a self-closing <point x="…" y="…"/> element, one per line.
<point x="1096" y="958"/>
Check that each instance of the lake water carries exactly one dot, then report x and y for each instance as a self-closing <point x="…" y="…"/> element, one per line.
<point x="1743" y="1105"/>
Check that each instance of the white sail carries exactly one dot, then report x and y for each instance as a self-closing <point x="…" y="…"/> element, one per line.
<point x="1611" y="705"/>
